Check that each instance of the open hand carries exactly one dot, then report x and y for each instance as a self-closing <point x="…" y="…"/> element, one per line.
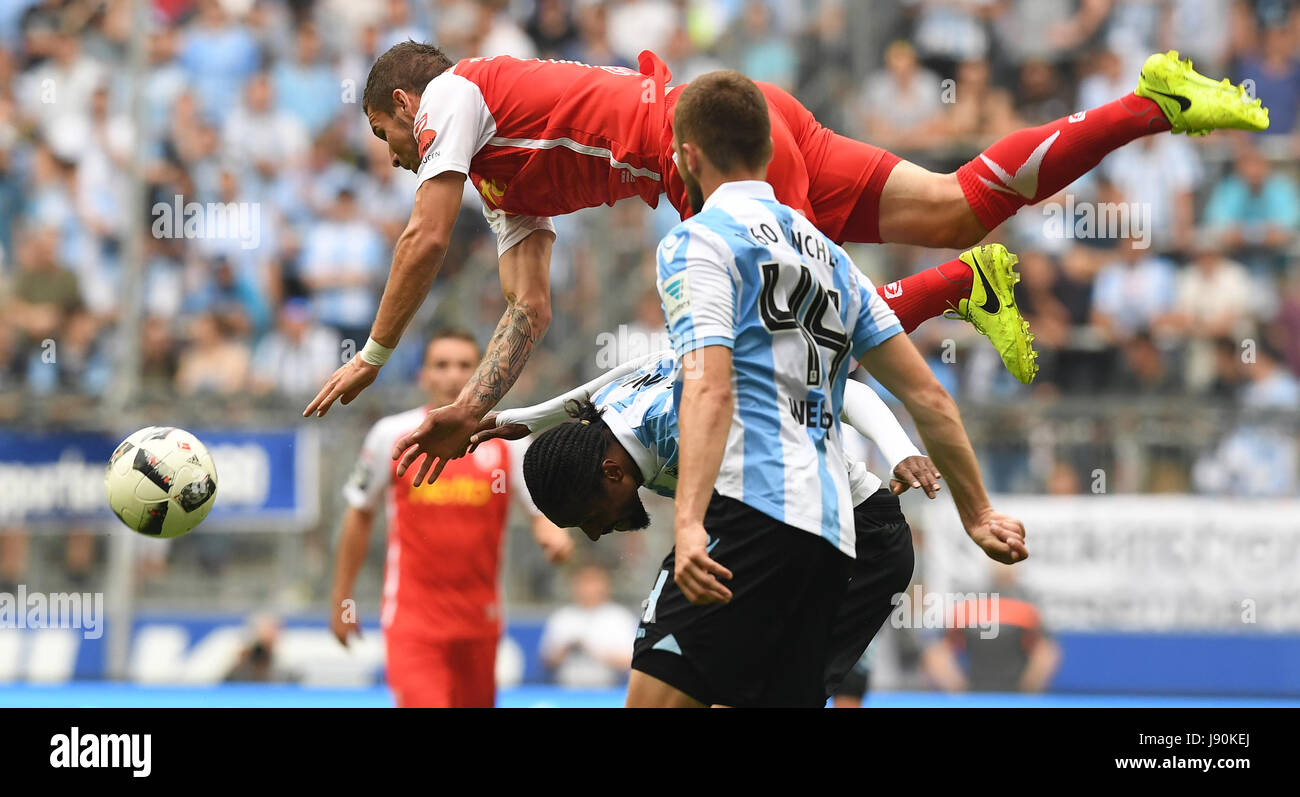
<point x="441" y="437"/>
<point x="345" y="384"/>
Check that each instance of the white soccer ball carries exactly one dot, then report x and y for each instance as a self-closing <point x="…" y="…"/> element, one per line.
<point x="161" y="481"/>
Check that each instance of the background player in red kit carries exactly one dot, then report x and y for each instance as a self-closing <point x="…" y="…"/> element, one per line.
<point x="441" y="610"/>
<point x="542" y="138"/>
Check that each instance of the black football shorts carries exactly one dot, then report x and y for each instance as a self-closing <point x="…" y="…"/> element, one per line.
<point x="769" y="645"/>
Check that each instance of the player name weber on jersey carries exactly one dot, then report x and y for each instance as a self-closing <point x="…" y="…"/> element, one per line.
<point x="754" y="275"/>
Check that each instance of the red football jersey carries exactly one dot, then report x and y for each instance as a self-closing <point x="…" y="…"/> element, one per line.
<point x="444" y="539"/>
<point x="545" y="138"/>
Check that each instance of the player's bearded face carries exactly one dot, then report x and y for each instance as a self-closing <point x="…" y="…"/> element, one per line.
<point x="399" y="132"/>
<point x="617" y="509"/>
<point x="694" y="193"/>
<point x="635" y="517"/>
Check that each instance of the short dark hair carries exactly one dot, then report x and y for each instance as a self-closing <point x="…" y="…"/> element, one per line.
<point x="562" y="466"/>
<point x="725" y="114"/>
<point x="408" y="66"/>
<point x="453" y="333"/>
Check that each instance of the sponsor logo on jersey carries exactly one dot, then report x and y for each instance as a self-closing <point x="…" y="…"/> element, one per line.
<point x="424" y="140"/>
<point x="456" y="490"/>
<point x="493" y="191"/>
<point x="677" y="297"/>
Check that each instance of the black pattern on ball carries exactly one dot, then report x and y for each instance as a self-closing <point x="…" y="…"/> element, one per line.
<point x="193" y="495"/>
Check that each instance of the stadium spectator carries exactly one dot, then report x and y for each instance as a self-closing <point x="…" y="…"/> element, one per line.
<point x="1255" y="210"/>
<point x="1268" y="384"/>
<point x="215" y="286"/>
<point x="1156" y="178"/>
<point x="258" y="135"/>
<point x="1108" y="77"/>
<point x="158" y="357"/>
<point x="1043" y="309"/>
<point x="764" y="53"/>
<point x="256" y="661"/>
<point x="1148" y="371"/>
<point x="1215" y="298"/>
<point x="307" y="87"/>
<point x="1020" y="657"/>
<point x="43" y="294"/>
<point x="1275" y="68"/>
<point x="553" y="29"/>
<point x="58" y="92"/>
<point x="294" y="358"/>
<point x="74" y="364"/>
<point x="215" y="363"/>
<point x="1133" y="290"/>
<point x="593" y="30"/>
<point x="494" y="32"/>
<point x="980" y="112"/>
<point x="341" y="264"/>
<point x="1260" y="457"/>
<point x="588" y="643"/>
<point x="397" y="25"/>
<point x="689" y="62"/>
<point x="1045" y="29"/>
<point x="903" y="102"/>
<point x="948" y="33"/>
<point x="636" y="25"/>
<point x="1086" y="358"/>
<point x="218" y="54"/>
<point x="1287" y="326"/>
<point x="1041" y="96"/>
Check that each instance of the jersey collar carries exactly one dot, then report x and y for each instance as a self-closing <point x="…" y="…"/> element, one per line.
<point x="740" y="189"/>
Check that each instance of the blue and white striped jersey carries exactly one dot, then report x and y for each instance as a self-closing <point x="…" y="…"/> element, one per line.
<point x="754" y="275"/>
<point x="640" y="411"/>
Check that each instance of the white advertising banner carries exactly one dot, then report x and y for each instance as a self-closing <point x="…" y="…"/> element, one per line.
<point x="1134" y="562"/>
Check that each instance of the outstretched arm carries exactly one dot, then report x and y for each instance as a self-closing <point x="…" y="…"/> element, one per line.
<point x="417" y="258"/>
<point x="445" y="433"/>
<point x="526" y="283"/>
<point x="540" y="417"/>
<point x="903" y="372"/>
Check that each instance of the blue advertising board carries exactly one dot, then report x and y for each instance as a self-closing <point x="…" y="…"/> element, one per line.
<point x="267" y="479"/>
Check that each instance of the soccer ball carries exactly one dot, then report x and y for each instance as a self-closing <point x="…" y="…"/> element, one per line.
<point x="161" y="481"/>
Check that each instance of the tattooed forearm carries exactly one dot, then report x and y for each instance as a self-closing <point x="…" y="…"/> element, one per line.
<point x="511" y="345"/>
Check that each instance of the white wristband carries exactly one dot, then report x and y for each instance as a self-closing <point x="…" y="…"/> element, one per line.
<point x="374" y="353"/>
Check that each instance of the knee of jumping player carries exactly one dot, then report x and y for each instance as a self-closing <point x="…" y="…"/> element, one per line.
<point x="924" y="208"/>
<point x="957" y="226"/>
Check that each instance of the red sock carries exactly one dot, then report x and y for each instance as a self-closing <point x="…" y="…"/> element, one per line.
<point x="926" y="295"/>
<point x="1032" y="164"/>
